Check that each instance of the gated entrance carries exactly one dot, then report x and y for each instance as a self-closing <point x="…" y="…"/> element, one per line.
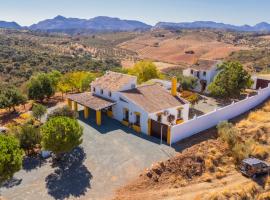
<point x="157" y="129"/>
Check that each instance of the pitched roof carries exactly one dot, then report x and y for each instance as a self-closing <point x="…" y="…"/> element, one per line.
<point x="113" y="81"/>
<point x="90" y="100"/>
<point x="205" y="64"/>
<point x="152" y="98"/>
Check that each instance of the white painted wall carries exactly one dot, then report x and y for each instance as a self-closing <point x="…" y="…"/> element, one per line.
<point x="209" y="77"/>
<point x="201" y="123"/>
<point x="172" y="111"/>
<point x="118" y="112"/>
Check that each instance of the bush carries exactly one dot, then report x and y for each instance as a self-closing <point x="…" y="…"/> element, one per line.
<point x="61" y="135"/>
<point x="10" y="157"/>
<point x="227" y="133"/>
<point x="38" y="111"/>
<point x="190" y="96"/>
<point x="187" y="82"/>
<point x="64" y="111"/>
<point x="28" y="136"/>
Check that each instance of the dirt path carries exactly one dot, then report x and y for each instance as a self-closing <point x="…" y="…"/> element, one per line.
<point x="188" y="192"/>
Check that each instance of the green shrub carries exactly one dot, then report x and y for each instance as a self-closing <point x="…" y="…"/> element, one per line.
<point x="38" y="111"/>
<point x="61" y="135"/>
<point x="10" y="157"/>
<point x="64" y="111"/>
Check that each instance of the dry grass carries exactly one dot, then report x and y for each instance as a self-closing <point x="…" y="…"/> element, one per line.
<point x="205" y="164"/>
<point x="239" y="192"/>
<point x="263" y="196"/>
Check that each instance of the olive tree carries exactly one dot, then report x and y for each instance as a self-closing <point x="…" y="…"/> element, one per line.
<point x="38" y="111"/>
<point x="10" y="97"/>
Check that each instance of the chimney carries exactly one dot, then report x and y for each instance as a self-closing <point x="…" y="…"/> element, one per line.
<point x="174" y="86"/>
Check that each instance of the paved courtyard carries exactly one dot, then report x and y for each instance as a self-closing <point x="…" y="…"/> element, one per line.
<point x="110" y="156"/>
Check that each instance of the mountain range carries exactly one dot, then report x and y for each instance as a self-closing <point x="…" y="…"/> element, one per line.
<point x="263" y="26"/>
<point x="109" y="24"/>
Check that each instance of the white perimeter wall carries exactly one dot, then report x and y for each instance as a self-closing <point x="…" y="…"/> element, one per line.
<point x="203" y="122"/>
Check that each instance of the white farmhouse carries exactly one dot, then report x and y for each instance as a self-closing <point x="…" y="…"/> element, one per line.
<point x="204" y="71"/>
<point x="149" y="109"/>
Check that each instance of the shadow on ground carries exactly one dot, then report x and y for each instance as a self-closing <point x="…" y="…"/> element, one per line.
<point x="109" y="125"/>
<point x="32" y="162"/>
<point x="71" y="177"/>
<point x="11" y="183"/>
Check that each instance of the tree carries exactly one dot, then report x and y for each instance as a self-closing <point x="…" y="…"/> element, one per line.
<point x="10" y="97"/>
<point x="64" y="111"/>
<point x="75" y="81"/>
<point x="187" y="82"/>
<point x="10" y="157"/>
<point x="28" y="136"/>
<point x="55" y="77"/>
<point x="61" y="135"/>
<point x="41" y="87"/>
<point x="38" y="111"/>
<point x="230" y="81"/>
<point x="145" y="70"/>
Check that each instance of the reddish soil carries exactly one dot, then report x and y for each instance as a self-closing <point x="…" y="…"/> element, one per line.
<point x="7" y="116"/>
<point x="172" y="47"/>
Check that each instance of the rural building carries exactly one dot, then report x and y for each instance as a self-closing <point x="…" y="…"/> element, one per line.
<point x="150" y="109"/>
<point x="204" y="71"/>
<point x="260" y="81"/>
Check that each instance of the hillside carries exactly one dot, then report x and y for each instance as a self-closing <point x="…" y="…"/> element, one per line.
<point x="186" y="46"/>
<point x="206" y="169"/>
<point x="24" y="53"/>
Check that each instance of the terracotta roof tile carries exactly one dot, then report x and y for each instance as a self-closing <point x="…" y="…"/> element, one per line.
<point x="204" y="64"/>
<point x="113" y="81"/>
<point x="90" y="100"/>
<point x="152" y="98"/>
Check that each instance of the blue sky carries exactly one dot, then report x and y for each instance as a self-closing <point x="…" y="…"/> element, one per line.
<point x="238" y="12"/>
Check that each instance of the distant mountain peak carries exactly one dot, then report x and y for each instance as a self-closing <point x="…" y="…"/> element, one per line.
<point x="12" y="25"/>
<point x="96" y="24"/>
<point x="59" y="17"/>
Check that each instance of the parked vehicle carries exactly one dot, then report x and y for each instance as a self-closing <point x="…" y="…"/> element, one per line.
<point x="251" y="167"/>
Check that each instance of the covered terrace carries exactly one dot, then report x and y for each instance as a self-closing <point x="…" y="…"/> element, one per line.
<point x="90" y="101"/>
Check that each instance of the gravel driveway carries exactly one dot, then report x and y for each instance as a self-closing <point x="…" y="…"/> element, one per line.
<point x="110" y="156"/>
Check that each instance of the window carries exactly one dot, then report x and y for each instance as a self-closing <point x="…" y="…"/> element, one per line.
<point x="179" y="113"/>
<point x="110" y="93"/>
<point x="191" y="71"/>
<point x="94" y="89"/>
<point x="101" y="91"/>
<point x="159" y="118"/>
<point x="126" y="115"/>
<point x="204" y="73"/>
<point x="138" y="119"/>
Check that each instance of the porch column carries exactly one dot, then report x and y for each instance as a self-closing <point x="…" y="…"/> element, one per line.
<point x="98" y="117"/>
<point x="169" y="135"/>
<point x="149" y="126"/>
<point x="69" y="102"/>
<point x="75" y="105"/>
<point x="86" y="112"/>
